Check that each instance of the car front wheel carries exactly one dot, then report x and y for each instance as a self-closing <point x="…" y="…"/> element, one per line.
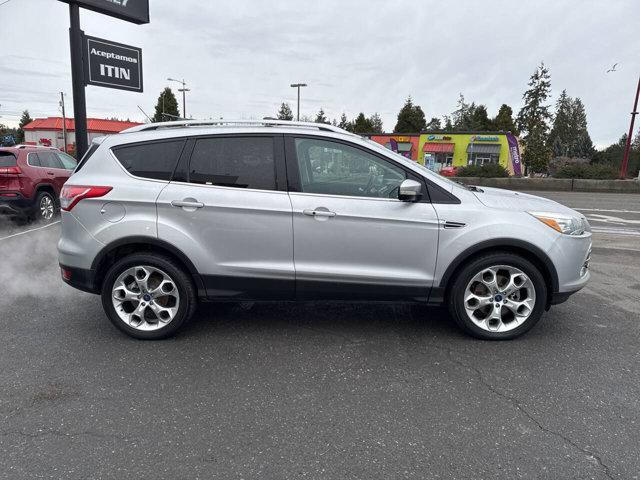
<point x="498" y="296"/>
<point x="148" y="296"/>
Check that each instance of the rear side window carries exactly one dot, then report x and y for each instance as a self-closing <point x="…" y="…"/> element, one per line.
<point x="150" y="160"/>
<point x="7" y="159"/>
<point x="242" y="162"/>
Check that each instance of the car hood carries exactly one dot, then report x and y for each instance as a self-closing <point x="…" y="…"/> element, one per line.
<point x="510" y="200"/>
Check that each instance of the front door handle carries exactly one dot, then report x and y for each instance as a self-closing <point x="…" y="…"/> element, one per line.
<point x="187" y="203"/>
<point x="319" y="213"/>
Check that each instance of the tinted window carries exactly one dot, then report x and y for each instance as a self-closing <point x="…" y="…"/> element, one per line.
<point x="7" y="159"/>
<point x="48" y="160"/>
<point x="150" y="160"/>
<point x="68" y="161"/>
<point x="33" y="160"/>
<point x="337" y="169"/>
<point x="243" y="162"/>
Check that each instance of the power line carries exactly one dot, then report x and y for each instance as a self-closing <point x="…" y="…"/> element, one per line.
<point x="6" y="1"/>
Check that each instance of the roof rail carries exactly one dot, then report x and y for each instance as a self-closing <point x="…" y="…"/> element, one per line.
<point x="231" y="123"/>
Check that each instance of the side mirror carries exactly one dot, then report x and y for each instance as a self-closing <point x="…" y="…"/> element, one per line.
<point x="410" y="191"/>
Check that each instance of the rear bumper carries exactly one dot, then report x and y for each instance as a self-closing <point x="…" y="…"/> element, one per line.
<point x="79" y="278"/>
<point x="13" y="203"/>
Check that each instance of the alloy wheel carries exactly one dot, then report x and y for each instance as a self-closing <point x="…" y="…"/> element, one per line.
<point x="145" y="298"/>
<point x="46" y="207"/>
<point x="499" y="298"/>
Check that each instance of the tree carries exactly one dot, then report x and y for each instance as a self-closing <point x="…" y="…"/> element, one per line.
<point x="376" y="123"/>
<point x="24" y="120"/>
<point x="612" y="156"/>
<point x="433" y="124"/>
<point x="362" y="124"/>
<point x="410" y="118"/>
<point x="285" y="112"/>
<point x="167" y="107"/>
<point x="569" y="136"/>
<point x="503" y="122"/>
<point x="533" y="121"/>
<point x="479" y="119"/>
<point x="321" y="117"/>
<point x="344" y="123"/>
<point x="461" y="116"/>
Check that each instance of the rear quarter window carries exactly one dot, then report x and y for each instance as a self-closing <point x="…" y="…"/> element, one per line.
<point x="155" y="160"/>
<point x="7" y="159"/>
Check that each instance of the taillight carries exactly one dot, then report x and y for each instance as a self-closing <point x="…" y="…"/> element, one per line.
<point x="10" y="170"/>
<point x="72" y="194"/>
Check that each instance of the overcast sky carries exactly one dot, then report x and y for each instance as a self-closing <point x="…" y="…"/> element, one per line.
<point x="240" y="57"/>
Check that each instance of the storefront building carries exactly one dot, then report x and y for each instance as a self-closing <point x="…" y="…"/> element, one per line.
<point x="49" y="132"/>
<point x="437" y="150"/>
<point x="405" y="144"/>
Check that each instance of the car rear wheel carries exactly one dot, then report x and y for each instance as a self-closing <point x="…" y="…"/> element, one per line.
<point x="498" y="296"/>
<point x="45" y="207"/>
<point x="148" y="296"/>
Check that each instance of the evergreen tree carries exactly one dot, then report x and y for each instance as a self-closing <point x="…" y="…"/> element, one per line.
<point x="362" y="124"/>
<point x="285" y="112"/>
<point x="321" y="117"/>
<point x="503" y="122"/>
<point x="479" y="119"/>
<point x="461" y="116"/>
<point x="24" y="120"/>
<point x="561" y="135"/>
<point x="376" y="123"/>
<point x="533" y="121"/>
<point x="448" y="125"/>
<point x="434" y="124"/>
<point x="344" y="123"/>
<point x="410" y="118"/>
<point x="582" y="146"/>
<point x="167" y="107"/>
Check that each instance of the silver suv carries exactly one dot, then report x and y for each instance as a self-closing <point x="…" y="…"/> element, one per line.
<point x="166" y="214"/>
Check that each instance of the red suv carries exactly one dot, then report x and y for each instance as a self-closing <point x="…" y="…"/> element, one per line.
<point x="31" y="179"/>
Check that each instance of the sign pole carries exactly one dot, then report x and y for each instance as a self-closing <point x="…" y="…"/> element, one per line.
<point x="627" y="148"/>
<point x="77" y="78"/>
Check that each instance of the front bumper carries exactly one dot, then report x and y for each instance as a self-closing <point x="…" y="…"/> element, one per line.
<point x="571" y="256"/>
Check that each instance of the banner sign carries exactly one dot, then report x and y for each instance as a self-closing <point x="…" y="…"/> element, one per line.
<point x="136" y="11"/>
<point x="514" y="154"/>
<point x="112" y="65"/>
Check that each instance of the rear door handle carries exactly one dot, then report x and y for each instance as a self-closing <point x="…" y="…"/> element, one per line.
<point x="50" y="173"/>
<point x="187" y="204"/>
<point x="319" y="213"/>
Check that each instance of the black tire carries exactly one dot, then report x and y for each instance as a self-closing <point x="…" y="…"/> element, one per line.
<point x="181" y="279"/>
<point x="37" y="213"/>
<point x="456" y="293"/>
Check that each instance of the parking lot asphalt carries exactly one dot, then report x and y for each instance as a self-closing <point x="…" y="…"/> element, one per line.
<point x="321" y="390"/>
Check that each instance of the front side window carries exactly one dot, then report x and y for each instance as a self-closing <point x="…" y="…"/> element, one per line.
<point x="67" y="160"/>
<point x="155" y="160"/>
<point x="337" y="169"/>
<point x="241" y="162"/>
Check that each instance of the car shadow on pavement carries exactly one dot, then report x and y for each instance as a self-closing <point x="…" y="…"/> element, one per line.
<point x="352" y="322"/>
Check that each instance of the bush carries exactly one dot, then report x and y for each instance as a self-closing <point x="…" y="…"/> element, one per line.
<point x="491" y="170"/>
<point x="592" y="171"/>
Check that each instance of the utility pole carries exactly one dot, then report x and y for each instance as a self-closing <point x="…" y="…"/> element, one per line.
<point x="64" y="122"/>
<point x="298" y="85"/>
<point x="184" y="89"/>
<point x="77" y="76"/>
<point x="627" y="148"/>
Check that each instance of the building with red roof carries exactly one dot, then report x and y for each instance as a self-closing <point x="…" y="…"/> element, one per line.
<point x="49" y="132"/>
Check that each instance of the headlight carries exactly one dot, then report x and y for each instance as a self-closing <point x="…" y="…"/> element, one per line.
<point x="567" y="224"/>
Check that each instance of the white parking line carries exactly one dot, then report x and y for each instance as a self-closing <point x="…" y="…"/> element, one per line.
<point x="604" y="210"/>
<point x="28" y="231"/>
<point x="616" y="231"/>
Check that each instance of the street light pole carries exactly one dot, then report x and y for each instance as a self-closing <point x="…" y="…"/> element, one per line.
<point x="298" y="85"/>
<point x="184" y="89"/>
<point x="627" y="148"/>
